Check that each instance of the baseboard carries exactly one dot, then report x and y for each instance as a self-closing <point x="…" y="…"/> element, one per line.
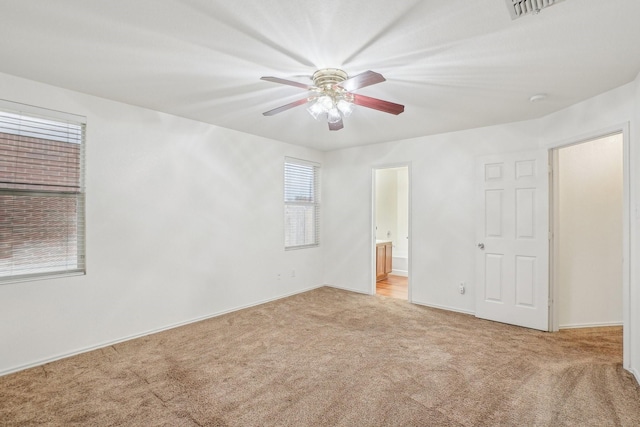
<point x="636" y="375"/>
<point x="359" y="291"/>
<point x="149" y="332"/>
<point x="444" y="307"/>
<point x="589" y="325"/>
<point x="400" y="273"/>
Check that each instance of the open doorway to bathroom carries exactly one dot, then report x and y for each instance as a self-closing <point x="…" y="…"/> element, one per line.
<point x="391" y="221"/>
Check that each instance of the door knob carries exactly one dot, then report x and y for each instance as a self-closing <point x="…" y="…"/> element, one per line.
<point x="481" y="245"/>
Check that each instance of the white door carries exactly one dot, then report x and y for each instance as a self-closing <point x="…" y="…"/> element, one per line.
<point x="512" y="262"/>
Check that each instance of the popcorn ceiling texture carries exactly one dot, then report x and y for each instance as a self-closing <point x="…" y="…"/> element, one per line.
<point x="334" y="358"/>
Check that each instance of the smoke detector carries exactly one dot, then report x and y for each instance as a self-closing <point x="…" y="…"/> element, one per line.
<point x="519" y="8"/>
<point x="538" y="97"/>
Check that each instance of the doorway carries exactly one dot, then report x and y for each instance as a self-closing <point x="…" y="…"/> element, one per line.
<point x="588" y="215"/>
<point x="391" y="224"/>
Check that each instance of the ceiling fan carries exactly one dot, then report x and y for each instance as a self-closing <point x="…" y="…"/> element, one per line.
<point x="331" y="95"/>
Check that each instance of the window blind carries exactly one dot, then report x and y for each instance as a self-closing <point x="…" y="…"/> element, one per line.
<point x="301" y="204"/>
<point x="42" y="200"/>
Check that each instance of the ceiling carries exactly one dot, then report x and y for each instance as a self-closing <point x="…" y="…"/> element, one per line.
<point x="454" y="64"/>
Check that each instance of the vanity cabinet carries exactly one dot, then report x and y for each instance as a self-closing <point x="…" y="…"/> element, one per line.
<point x="383" y="260"/>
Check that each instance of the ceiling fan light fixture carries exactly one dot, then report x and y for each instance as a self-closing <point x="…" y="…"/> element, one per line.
<point x="345" y="107"/>
<point x="330" y="95"/>
<point x="333" y="115"/>
<point x="316" y="109"/>
<point x="333" y="102"/>
<point x="326" y="102"/>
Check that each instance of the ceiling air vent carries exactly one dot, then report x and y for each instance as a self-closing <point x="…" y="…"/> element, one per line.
<point x="519" y="8"/>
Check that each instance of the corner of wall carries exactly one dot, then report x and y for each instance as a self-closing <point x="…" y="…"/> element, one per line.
<point x="633" y="364"/>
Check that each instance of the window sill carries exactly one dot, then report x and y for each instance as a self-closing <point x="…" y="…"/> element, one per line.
<point x="43" y="276"/>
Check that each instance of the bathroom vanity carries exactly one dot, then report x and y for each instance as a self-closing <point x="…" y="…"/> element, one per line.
<point x="383" y="259"/>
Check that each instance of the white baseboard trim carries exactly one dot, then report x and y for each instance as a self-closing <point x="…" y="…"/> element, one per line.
<point x="400" y="273"/>
<point x="589" y="325"/>
<point x="444" y="307"/>
<point x="359" y="291"/>
<point x="635" y="374"/>
<point x="149" y="332"/>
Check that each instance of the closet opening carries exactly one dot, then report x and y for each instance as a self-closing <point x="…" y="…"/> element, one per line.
<point x="589" y="186"/>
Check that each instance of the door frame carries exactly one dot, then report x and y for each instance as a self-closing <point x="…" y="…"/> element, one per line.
<point x="373" y="224"/>
<point x="626" y="230"/>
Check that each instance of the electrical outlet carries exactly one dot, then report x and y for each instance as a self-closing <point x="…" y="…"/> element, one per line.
<point x="278" y="276"/>
<point x="461" y="288"/>
<point x="293" y="272"/>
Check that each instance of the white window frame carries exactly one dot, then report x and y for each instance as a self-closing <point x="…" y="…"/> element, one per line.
<point x="47" y="120"/>
<point x="301" y="204"/>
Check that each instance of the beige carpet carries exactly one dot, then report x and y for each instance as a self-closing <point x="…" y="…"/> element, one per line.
<point x="334" y="358"/>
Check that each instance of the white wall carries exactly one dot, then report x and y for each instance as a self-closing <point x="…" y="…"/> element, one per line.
<point x="443" y="232"/>
<point x="176" y="212"/>
<point x="589" y="233"/>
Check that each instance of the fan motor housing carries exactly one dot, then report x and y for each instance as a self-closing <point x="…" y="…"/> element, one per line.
<point x="328" y="77"/>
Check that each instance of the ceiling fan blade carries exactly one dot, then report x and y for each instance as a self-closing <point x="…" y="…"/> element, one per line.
<point x="378" y="104"/>
<point x="286" y="82"/>
<point x="367" y="78"/>
<point x="286" y="107"/>
<point x="336" y="126"/>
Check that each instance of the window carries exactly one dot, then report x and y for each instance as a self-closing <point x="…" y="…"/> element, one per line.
<point x="301" y="205"/>
<point x="41" y="193"/>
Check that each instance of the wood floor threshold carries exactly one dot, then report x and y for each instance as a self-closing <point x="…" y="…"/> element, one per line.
<point x="394" y="287"/>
